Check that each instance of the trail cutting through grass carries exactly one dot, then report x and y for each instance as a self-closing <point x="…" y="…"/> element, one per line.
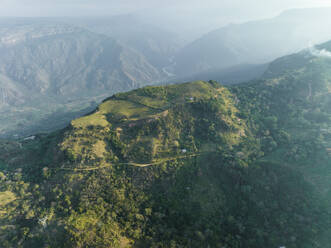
<point x="135" y="164"/>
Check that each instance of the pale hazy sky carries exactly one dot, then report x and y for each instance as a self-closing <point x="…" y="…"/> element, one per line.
<point x="258" y="8"/>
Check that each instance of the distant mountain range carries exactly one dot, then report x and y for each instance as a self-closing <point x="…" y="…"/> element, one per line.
<point x="255" y="42"/>
<point x="68" y="61"/>
<point x="59" y="68"/>
<point x="57" y="63"/>
<point x="158" y="45"/>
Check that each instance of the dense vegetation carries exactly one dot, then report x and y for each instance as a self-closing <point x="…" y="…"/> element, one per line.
<point x="190" y="165"/>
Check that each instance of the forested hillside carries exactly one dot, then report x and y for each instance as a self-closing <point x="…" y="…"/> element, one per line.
<point x="188" y="165"/>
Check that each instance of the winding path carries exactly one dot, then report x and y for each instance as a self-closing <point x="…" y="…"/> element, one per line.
<point x="134" y="164"/>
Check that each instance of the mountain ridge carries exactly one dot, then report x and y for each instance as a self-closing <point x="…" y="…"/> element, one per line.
<point x="266" y="40"/>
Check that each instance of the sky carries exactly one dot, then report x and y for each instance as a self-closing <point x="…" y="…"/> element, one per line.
<point x="189" y="17"/>
<point x="245" y="8"/>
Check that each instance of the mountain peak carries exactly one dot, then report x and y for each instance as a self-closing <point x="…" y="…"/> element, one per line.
<point x="151" y="108"/>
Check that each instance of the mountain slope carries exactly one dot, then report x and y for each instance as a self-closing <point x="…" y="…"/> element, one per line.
<point x="158" y="45"/>
<point x="255" y="42"/>
<point x="294" y="100"/>
<point x="65" y="61"/>
<point x="190" y="165"/>
<point x="62" y="65"/>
